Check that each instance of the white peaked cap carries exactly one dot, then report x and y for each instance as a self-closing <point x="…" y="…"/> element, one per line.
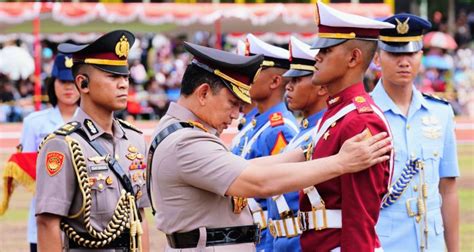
<point x="335" y="27"/>
<point x="301" y="50"/>
<point x="302" y="59"/>
<point x="274" y="56"/>
<point x="331" y="17"/>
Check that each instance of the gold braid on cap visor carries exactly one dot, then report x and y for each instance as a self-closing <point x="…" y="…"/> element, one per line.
<point x="224" y="76"/>
<point x="400" y="39"/>
<point x="105" y="62"/>
<point x="302" y="67"/>
<point x="337" y="35"/>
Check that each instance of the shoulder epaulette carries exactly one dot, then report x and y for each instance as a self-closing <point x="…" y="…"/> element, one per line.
<point x="46" y="139"/>
<point x="362" y="105"/>
<point x="129" y="126"/>
<point x="276" y="119"/>
<point x="435" y="98"/>
<point x="68" y="128"/>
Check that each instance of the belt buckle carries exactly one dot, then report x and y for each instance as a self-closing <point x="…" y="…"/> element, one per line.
<point x="287" y="215"/>
<point x="322" y="208"/>
<point x="300" y="220"/>
<point x="410" y="212"/>
<point x="272" y="228"/>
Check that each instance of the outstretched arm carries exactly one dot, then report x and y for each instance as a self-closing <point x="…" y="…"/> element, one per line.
<point x="285" y="173"/>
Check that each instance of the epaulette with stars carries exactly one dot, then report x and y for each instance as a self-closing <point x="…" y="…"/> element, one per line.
<point x="65" y="130"/>
<point x="435" y="98"/>
<point x="129" y="126"/>
<point x="68" y="128"/>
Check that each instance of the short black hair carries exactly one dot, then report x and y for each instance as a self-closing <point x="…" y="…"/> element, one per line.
<point x="195" y="76"/>
<point x="53" y="99"/>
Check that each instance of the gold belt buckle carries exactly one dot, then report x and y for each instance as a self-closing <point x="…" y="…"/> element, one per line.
<point x="286" y="215"/>
<point x="315" y="218"/>
<point x="410" y="212"/>
<point x="271" y="228"/>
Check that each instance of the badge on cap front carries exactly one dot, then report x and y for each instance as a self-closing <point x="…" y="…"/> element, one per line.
<point x="122" y="47"/>
<point x="68" y="62"/>
<point x="402" y="27"/>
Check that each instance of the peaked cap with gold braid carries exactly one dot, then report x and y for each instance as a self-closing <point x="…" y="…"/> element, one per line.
<point x="406" y="37"/>
<point x="236" y="72"/>
<point x="108" y="53"/>
<point x="336" y="27"/>
<point x="302" y="59"/>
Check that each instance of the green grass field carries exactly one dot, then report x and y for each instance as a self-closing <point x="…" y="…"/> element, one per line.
<point x="13" y="223"/>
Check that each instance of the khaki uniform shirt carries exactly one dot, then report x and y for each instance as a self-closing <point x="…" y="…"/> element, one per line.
<point x="57" y="189"/>
<point x="192" y="170"/>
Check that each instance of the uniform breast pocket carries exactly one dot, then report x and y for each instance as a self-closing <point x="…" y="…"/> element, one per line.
<point x="431" y="158"/>
<point x="104" y="192"/>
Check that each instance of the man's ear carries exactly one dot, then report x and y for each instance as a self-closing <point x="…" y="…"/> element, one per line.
<point x="203" y="92"/>
<point x="277" y="81"/>
<point x="355" y="57"/>
<point x="323" y="90"/>
<point x="377" y="58"/>
<point x="79" y="82"/>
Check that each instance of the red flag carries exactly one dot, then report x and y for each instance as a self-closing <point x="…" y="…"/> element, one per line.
<point x="20" y="169"/>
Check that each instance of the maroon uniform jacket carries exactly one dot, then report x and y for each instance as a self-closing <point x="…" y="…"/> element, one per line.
<point x="358" y="195"/>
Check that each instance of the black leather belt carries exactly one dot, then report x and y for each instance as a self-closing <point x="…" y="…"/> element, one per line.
<point x="122" y="242"/>
<point x="215" y="237"/>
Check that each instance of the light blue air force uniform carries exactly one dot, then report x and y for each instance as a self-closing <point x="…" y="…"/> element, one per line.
<point x="244" y="126"/>
<point x="426" y="133"/>
<point x="304" y="138"/>
<point x="271" y="132"/>
<point x="36" y="126"/>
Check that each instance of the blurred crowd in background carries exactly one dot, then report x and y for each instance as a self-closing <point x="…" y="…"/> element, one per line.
<point x="157" y="63"/>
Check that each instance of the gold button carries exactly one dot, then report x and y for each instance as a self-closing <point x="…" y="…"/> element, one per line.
<point x="101" y="186"/>
<point x="408" y="127"/>
<point x="415" y="188"/>
<point x="108" y="180"/>
<point x="435" y="153"/>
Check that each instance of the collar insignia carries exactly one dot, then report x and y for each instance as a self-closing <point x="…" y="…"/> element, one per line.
<point x="90" y="126"/>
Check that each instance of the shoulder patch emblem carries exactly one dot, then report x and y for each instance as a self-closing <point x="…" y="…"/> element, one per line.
<point x="54" y="162"/>
<point x="129" y="126"/>
<point x="362" y="105"/>
<point x="435" y="98"/>
<point x="276" y="119"/>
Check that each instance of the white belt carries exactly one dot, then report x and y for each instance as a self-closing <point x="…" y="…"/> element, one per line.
<point x="260" y="216"/>
<point x="320" y="218"/>
<point x="288" y="227"/>
<point x="338" y="249"/>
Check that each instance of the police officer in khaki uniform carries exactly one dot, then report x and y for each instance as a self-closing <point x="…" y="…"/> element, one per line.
<point x="91" y="171"/>
<point x="193" y="176"/>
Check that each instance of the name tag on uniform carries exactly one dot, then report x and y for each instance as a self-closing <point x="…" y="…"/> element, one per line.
<point x="98" y="168"/>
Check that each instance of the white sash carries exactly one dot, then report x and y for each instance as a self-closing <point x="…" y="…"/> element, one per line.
<point x="239" y="135"/>
<point x="311" y="191"/>
<point x="248" y="145"/>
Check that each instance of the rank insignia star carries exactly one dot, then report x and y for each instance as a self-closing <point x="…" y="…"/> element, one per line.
<point x="326" y="135"/>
